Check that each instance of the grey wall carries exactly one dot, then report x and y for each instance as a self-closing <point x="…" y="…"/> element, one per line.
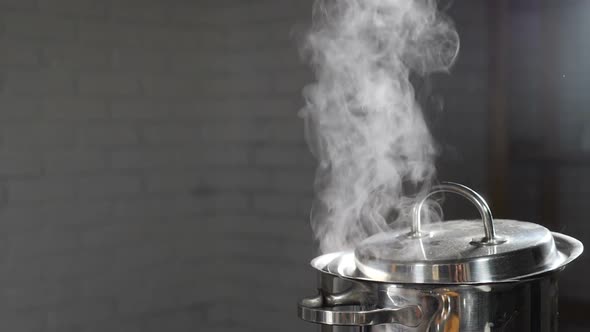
<point x="574" y="138"/>
<point x="528" y="124"/>
<point x="153" y="173"/>
<point x="461" y="127"/>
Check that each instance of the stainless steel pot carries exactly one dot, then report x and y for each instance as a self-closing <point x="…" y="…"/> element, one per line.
<point x="445" y="277"/>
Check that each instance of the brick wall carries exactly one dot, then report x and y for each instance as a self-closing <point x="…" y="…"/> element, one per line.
<point x="153" y="174"/>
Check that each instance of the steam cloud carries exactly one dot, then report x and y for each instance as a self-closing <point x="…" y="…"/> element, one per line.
<point x="363" y="122"/>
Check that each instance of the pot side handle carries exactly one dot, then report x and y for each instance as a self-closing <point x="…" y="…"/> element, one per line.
<point x="308" y="310"/>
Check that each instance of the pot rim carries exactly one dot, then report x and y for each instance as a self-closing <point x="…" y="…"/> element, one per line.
<point x="342" y="264"/>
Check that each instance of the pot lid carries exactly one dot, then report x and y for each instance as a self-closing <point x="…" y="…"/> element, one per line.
<point x="460" y="251"/>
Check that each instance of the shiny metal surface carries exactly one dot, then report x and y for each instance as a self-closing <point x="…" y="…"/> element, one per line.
<point x="528" y="305"/>
<point x="407" y="316"/>
<point x="447" y="255"/>
<point x="445" y="277"/>
<point x="345" y="264"/>
<point x="490" y="237"/>
<point x="454" y="252"/>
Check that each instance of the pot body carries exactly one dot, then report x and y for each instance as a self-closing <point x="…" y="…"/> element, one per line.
<point x="528" y="305"/>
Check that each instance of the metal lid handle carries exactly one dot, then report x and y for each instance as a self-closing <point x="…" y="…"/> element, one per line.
<point x="490" y="237"/>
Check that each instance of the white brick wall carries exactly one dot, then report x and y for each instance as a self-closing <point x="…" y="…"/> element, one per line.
<point x="153" y="173"/>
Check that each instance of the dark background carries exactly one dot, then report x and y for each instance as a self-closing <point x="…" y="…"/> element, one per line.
<point x="154" y="176"/>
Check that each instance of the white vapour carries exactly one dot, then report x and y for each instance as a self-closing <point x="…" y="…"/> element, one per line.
<point x="363" y="122"/>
